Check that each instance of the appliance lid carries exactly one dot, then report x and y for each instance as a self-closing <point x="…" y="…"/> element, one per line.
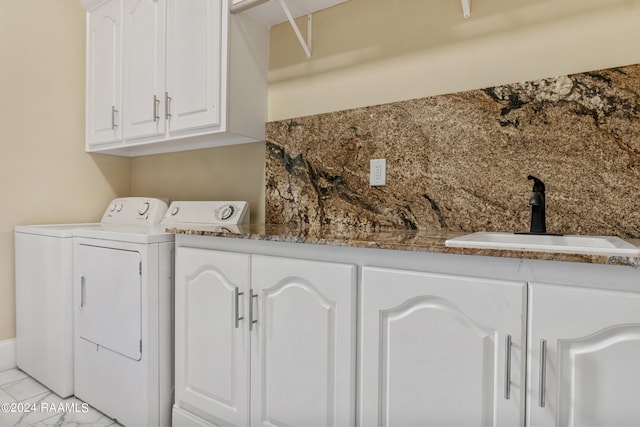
<point x="126" y="233"/>
<point x="53" y="230"/>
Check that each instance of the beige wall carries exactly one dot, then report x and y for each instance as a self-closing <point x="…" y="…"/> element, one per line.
<point x="224" y="173"/>
<point x="45" y="175"/>
<point x="368" y="52"/>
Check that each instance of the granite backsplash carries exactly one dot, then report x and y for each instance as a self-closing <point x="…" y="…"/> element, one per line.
<point x="459" y="162"/>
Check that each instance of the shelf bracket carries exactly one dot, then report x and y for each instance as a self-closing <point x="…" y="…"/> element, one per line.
<point x="306" y="45"/>
<point x="466" y="8"/>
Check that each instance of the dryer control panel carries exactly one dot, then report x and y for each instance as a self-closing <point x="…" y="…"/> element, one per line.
<point x="135" y="210"/>
<point x="208" y="212"/>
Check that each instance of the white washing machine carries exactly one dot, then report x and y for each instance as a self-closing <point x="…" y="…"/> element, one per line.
<point x="123" y="304"/>
<point x="44" y="309"/>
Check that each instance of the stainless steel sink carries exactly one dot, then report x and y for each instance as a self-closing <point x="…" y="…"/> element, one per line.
<point x="574" y="244"/>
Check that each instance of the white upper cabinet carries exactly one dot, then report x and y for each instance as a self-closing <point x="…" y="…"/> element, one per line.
<point x="194" y="76"/>
<point x="144" y="76"/>
<point x="194" y="66"/>
<point x="104" y="74"/>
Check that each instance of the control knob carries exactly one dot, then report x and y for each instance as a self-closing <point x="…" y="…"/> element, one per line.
<point x="227" y="212"/>
<point x="144" y="208"/>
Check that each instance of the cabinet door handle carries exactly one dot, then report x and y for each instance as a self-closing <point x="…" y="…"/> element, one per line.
<point x="251" y="298"/>
<point x="156" y="105"/>
<point x="167" y="106"/>
<point x="113" y="117"/>
<point x="237" y="306"/>
<point x="507" y="367"/>
<point x="543" y="372"/>
<point x="83" y="291"/>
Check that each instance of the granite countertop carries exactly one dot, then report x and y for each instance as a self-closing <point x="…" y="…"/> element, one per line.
<point x="395" y="239"/>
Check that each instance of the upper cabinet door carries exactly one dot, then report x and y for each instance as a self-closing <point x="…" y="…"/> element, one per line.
<point x="195" y="29"/>
<point x="144" y="63"/>
<point x="104" y="73"/>
<point x="303" y="343"/>
<point x="584" y="357"/>
<point x="439" y="350"/>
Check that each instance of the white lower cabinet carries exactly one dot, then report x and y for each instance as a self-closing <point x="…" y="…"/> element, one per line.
<point x="267" y="340"/>
<point x="434" y="352"/>
<point x="212" y="348"/>
<point x="263" y="340"/>
<point x="584" y="359"/>
<point x="440" y="350"/>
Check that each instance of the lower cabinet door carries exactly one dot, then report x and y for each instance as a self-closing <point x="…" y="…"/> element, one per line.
<point x="584" y="357"/>
<point x="303" y="342"/>
<point x="212" y="337"/>
<point x="440" y="350"/>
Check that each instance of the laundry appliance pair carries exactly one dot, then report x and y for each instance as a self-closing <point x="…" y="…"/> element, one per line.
<point x="94" y="304"/>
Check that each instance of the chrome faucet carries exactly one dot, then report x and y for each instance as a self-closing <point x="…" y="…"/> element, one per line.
<point x="538" y="221"/>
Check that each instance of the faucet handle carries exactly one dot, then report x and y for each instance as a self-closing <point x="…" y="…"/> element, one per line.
<point x="538" y="185"/>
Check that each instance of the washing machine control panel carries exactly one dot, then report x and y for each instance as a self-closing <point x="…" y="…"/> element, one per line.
<point x="208" y="212"/>
<point x="135" y="210"/>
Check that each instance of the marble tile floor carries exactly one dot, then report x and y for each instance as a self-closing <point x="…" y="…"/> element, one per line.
<point x="26" y="402"/>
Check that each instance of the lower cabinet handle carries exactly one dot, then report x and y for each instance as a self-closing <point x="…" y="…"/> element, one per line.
<point x="251" y="320"/>
<point x="113" y="117"/>
<point x="83" y="292"/>
<point x="237" y="306"/>
<point x="167" y="106"/>
<point x="543" y="373"/>
<point x="156" y="105"/>
<point x="507" y="367"/>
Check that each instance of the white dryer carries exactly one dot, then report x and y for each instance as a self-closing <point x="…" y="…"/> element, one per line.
<point x="123" y="302"/>
<point x="122" y="289"/>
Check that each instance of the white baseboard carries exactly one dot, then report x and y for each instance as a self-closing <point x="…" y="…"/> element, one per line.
<point x="7" y="354"/>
